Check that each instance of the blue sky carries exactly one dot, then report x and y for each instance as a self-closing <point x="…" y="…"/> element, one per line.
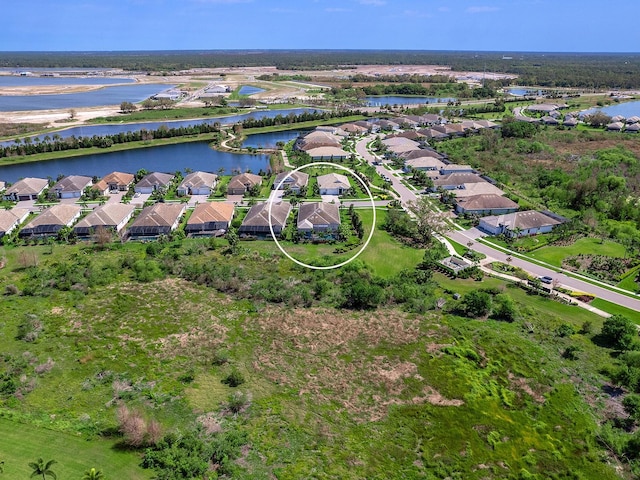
<point x="476" y="25"/>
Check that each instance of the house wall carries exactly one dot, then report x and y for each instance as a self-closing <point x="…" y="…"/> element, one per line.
<point x="144" y="189"/>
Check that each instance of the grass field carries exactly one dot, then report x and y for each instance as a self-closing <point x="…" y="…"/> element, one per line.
<point x="22" y="443"/>
<point x="615" y="309"/>
<point x="586" y="246"/>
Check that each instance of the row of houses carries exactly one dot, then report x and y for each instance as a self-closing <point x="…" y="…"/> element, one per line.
<point x="210" y="218"/>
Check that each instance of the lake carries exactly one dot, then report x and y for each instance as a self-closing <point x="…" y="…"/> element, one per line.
<point x="166" y="158"/>
<point x="95" y="98"/>
<point x="113" y="129"/>
<point x="521" y="92"/>
<point x="17" y="81"/>
<point x="249" y="90"/>
<point x="626" y="109"/>
<point x="270" y="139"/>
<point x="377" y="101"/>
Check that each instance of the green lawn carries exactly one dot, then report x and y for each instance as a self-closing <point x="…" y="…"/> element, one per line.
<point x="21" y="444"/>
<point x="586" y="246"/>
<point x="614" y="309"/>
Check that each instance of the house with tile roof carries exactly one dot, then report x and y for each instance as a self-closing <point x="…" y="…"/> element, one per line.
<point x="198" y="183"/>
<point x="154" y="181"/>
<point x="51" y="220"/>
<point x="12" y="219"/>
<point x="210" y="218"/>
<point x="240" y="184"/>
<point x="256" y="223"/>
<point x="26" y="189"/>
<point x="111" y="216"/>
<point x="155" y="220"/>
<point x="519" y="224"/>
<point x="318" y="218"/>
<point x="71" y="187"/>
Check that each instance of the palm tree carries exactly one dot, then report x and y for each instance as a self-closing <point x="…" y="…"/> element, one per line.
<point x="93" y="474"/>
<point x="42" y="468"/>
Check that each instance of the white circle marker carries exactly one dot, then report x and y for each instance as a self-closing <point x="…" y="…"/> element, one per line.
<point x="373" y="207"/>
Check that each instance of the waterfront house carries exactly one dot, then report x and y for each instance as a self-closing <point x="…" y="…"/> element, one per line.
<point x="154" y="181"/>
<point x="114" y="182"/>
<point x="240" y="184"/>
<point x="198" y="183"/>
<point x="71" y="187"/>
<point x="26" y="189"/>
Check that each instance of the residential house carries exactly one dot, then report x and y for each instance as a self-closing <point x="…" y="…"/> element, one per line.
<point x="257" y="221"/>
<point x="240" y="184"/>
<point x="111" y="216"/>
<point x="155" y="220"/>
<point x="433" y="134"/>
<point x="354" y="128"/>
<point x="452" y="181"/>
<point x="423" y="152"/>
<point x="549" y="120"/>
<point x="333" y="184"/>
<point x="615" y="127"/>
<point x="519" y="224"/>
<point x="210" y="218"/>
<point x="292" y="181"/>
<point x="423" y="164"/>
<point x="51" y="220"/>
<point x="12" y="219"/>
<point x="485" y="204"/>
<point x="455" y="168"/>
<point x="469" y="189"/>
<point x="633" y="128"/>
<point x="114" y="182"/>
<point x="26" y="189"/>
<point x="71" y="187"/>
<point x="2" y="186"/>
<point x="198" y="183"/>
<point x="328" y="153"/>
<point x="154" y="181"/>
<point x="633" y="119"/>
<point x="318" y="217"/>
<point x="316" y="139"/>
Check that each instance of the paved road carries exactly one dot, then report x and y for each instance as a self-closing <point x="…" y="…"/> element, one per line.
<point x="407" y="195"/>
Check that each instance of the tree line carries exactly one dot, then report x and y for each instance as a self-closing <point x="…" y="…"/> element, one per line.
<point x="301" y="117"/>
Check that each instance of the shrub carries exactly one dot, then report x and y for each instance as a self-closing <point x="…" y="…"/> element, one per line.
<point x="30" y="328"/>
<point x="234" y="379"/>
<point x="619" y="332"/>
<point x="476" y="304"/>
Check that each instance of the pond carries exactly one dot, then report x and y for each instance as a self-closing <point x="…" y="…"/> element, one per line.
<point x="270" y="139"/>
<point x="166" y="158"/>
<point x="377" y="101"/>
<point x="249" y="90"/>
<point x="521" y="92"/>
<point x="95" y="98"/>
<point x="626" y="109"/>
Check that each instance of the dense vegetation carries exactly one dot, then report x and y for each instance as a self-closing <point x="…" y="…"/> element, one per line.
<point x="581" y="70"/>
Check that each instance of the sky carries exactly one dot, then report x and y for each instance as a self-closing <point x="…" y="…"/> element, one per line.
<point x="475" y="25"/>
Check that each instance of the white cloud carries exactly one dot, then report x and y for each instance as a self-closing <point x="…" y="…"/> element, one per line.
<point x="482" y="9"/>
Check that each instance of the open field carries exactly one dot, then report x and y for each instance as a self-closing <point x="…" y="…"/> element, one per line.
<point x="585" y="246"/>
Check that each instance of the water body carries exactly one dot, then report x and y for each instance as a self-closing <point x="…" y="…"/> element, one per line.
<point x="402" y="100"/>
<point x="104" y="96"/>
<point x="167" y="158"/>
<point x="521" y="92"/>
<point x="249" y="90"/>
<point x="270" y="139"/>
<point x="100" y="130"/>
<point x="626" y="109"/>
<point x="17" y="81"/>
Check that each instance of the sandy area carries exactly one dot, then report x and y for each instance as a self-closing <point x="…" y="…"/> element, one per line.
<point x="233" y="77"/>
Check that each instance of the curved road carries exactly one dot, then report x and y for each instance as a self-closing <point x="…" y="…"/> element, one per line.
<point x="407" y="195"/>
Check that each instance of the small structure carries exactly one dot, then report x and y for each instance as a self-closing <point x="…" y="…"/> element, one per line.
<point x="11" y="219"/>
<point x="256" y="223"/>
<point x="156" y="220"/>
<point x="210" y="218"/>
<point x="26" y="189"/>
<point x="615" y="127"/>
<point x="111" y="216"/>
<point x="485" y="204"/>
<point x="292" y="181"/>
<point x="114" y="182"/>
<point x="333" y="184"/>
<point x="51" y="220"/>
<point x="198" y="183"/>
<point x="519" y="224"/>
<point x="633" y="128"/>
<point x="318" y="218"/>
<point x="154" y="181"/>
<point x="71" y="187"/>
<point x="455" y="264"/>
<point x="240" y="184"/>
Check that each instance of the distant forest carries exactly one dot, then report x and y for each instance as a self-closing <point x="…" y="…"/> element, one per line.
<point x="580" y="70"/>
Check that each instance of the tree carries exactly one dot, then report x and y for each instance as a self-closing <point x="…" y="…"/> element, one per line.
<point x="476" y="304"/>
<point x="619" y="332"/>
<point x="93" y="474"/>
<point x="72" y="114"/>
<point x="127" y="107"/>
<point x="428" y="221"/>
<point x="40" y="468"/>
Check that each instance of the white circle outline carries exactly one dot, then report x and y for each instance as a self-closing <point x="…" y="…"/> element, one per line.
<point x="373" y="206"/>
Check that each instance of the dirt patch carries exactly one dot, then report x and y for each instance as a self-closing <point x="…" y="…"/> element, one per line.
<point x="522" y="385"/>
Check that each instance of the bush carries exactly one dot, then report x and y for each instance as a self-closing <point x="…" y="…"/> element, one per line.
<point x="619" y="332"/>
<point x="234" y="379"/>
<point x="476" y="304"/>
